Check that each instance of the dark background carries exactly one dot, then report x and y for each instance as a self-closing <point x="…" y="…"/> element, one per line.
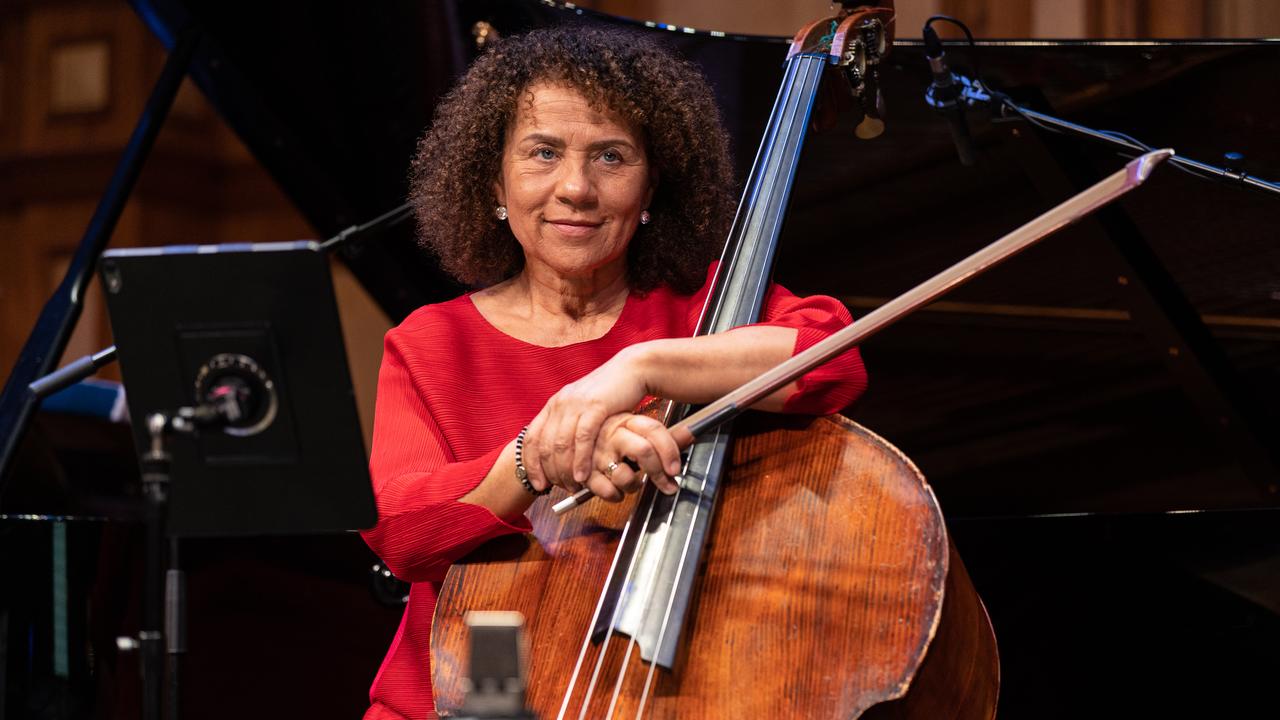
<point x="1127" y="556"/>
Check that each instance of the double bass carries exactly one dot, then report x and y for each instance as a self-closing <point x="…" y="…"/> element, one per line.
<point x="804" y="569"/>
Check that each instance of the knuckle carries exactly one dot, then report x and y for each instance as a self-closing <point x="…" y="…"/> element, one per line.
<point x="641" y="452"/>
<point x="605" y="490"/>
<point x="642" y="423"/>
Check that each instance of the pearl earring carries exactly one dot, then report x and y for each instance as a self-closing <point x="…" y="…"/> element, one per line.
<point x="500" y="212"/>
<point x="644" y="217"/>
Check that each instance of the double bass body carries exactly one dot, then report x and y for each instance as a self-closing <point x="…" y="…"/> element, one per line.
<point x="829" y="587"/>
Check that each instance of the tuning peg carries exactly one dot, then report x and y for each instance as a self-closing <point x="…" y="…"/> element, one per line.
<point x="872" y="125"/>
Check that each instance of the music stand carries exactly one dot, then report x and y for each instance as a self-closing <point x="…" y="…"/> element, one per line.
<point x="237" y="350"/>
<point x="184" y="315"/>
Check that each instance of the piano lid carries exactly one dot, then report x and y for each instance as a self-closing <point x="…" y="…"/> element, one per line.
<point x="1037" y="389"/>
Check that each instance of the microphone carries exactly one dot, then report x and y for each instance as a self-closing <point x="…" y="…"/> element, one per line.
<point x="943" y="95"/>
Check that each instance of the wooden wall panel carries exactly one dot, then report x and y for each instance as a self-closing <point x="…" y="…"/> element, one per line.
<point x="18" y="291"/>
<point x="987" y="18"/>
<point x="46" y="28"/>
<point x="1115" y="18"/>
<point x="912" y="15"/>
<point x="1244" y="18"/>
<point x="1177" y="19"/>
<point x="1151" y="18"/>
<point x="758" y="18"/>
<point x="93" y="331"/>
<point x="1058" y="19"/>
<point x="991" y="18"/>
<point x="37" y="243"/>
<point x="363" y="326"/>
<point x="80" y="76"/>
<point x="10" y="71"/>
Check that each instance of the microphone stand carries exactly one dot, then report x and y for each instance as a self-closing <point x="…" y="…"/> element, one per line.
<point x="973" y="93"/>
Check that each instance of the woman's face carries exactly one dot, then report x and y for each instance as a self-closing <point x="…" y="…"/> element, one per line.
<point x="574" y="180"/>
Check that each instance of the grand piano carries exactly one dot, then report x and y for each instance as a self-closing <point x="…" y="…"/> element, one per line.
<point x="1097" y="416"/>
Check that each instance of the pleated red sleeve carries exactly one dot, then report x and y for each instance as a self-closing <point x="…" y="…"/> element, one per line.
<point x="827" y="389"/>
<point x="422" y="528"/>
<point x="835" y="385"/>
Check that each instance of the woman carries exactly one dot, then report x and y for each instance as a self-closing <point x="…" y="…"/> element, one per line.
<point x="578" y="177"/>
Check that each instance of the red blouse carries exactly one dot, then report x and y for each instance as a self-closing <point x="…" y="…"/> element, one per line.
<point x="454" y="390"/>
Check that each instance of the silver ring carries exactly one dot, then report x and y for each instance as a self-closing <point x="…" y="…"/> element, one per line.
<point x="608" y="470"/>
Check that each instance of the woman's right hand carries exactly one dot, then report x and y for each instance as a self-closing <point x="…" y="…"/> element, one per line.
<point x="623" y="437"/>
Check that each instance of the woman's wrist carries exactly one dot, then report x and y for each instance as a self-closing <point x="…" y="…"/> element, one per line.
<point x="644" y="362"/>
<point x="701" y="369"/>
<point x="498" y="490"/>
<point x="522" y="473"/>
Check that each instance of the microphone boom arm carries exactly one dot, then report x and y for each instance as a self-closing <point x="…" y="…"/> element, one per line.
<point x="973" y="93"/>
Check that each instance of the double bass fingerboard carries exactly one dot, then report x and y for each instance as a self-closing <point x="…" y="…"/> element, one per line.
<point x="650" y="588"/>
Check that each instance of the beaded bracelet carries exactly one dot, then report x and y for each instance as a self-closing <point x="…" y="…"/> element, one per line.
<point x="521" y="474"/>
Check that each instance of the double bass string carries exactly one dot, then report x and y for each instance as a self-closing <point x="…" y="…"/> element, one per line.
<point x="630" y="526"/>
<point x="595" y="616"/>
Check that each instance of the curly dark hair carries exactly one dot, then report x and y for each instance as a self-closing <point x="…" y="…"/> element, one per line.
<point x="664" y="96"/>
